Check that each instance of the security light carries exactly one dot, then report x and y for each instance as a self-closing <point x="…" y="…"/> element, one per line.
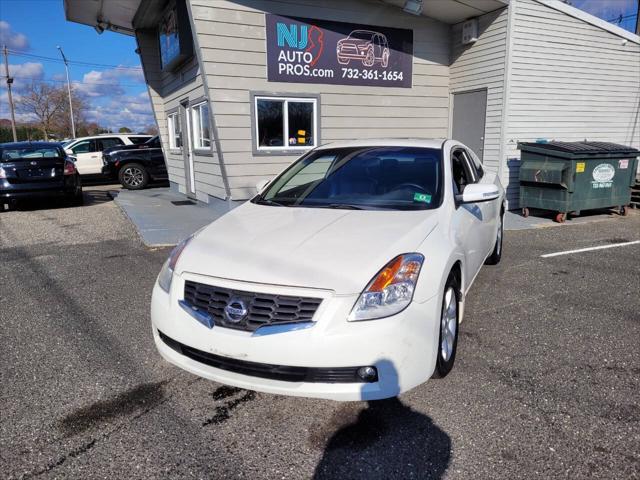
<point x="414" y="7"/>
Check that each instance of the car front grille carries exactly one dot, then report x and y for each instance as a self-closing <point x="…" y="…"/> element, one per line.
<point x="262" y="308"/>
<point x="266" y="370"/>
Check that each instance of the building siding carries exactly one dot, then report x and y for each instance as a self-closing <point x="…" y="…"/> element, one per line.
<point x="231" y="37"/>
<point x="570" y="80"/>
<point x="482" y="65"/>
<point x="167" y="90"/>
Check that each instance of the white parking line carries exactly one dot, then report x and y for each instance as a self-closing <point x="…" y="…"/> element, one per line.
<point x="580" y="250"/>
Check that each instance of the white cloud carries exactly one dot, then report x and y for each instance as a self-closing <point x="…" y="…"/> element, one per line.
<point x="108" y="82"/>
<point x="127" y="111"/>
<point x="13" y="40"/>
<point x="24" y="72"/>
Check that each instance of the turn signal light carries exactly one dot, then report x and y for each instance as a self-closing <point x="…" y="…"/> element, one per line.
<point x="391" y="290"/>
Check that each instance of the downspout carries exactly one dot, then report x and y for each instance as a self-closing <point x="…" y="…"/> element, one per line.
<point x="506" y="87"/>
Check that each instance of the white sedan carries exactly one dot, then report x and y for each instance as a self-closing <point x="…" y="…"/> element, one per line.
<point x="344" y="278"/>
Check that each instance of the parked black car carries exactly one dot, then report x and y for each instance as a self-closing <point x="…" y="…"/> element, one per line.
<point x="135" y="165"/>
<point x="37" y="169"/>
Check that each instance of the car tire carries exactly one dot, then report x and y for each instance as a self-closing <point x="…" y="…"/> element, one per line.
<point x="78" y="198"/>
<point x="449" y="327"/>
<point x="385" y="59"/>
<point x="133" y="176"/>
<point x="369" y="59"/>
<point x="496" y="255"/>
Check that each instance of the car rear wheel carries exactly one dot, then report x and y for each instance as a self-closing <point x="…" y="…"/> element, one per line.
<point x="449" y="322"/>
<point x="133" y="176"/>
<point x="496" y="255"/>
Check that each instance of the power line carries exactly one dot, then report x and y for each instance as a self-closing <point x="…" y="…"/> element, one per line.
<point x="620" y="18"/>
<point x="79" y="63"/>
<point x="74" y="81"/>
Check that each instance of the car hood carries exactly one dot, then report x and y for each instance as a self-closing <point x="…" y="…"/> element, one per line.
<point x="354" y="42"/>
<point x="333" y="249"/>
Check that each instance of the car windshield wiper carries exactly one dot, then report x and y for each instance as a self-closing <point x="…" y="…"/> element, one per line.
<point x="345" y="206"/>
<point x="273" y="203"/>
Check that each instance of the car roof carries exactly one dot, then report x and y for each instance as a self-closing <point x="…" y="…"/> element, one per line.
<point x="386" y="142"/>
<point x="38" y="144"/>
<point x="100" y="135"/>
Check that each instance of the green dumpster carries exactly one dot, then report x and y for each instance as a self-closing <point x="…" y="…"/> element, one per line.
<point x="567" y="177"/>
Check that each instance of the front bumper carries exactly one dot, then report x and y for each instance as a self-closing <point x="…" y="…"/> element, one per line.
<point x="402" y="347"/>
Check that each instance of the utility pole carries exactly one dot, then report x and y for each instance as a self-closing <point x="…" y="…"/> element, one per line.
<point x="66" y="68"/>
<point x="9" y="82"/>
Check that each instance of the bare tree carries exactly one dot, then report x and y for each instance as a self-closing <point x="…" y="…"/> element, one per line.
<point x="45" y="103"/>
<point x="63" y="119"/>
<point x="151" y="130"/>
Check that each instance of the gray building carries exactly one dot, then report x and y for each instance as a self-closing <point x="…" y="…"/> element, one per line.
<point x="240" y="88"/>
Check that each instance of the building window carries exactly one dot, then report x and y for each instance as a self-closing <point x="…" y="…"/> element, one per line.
<point x="283" y="123"/>
<point x="201" y="130"/>
<point x="175" y="131"/>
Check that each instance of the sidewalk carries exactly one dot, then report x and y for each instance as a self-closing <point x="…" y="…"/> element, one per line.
<point x="164" y="218"/>
<point x="161" y="216"/>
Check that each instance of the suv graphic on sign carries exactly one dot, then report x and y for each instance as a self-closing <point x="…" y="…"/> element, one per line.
<point x="364" y="45"/>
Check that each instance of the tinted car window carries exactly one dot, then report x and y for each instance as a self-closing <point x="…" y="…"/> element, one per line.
<point x="108" y="142"/>
<point x="31" y="152"/>
<point x="460" y="171"/>
<point x="154" y="142"/>
<point x="85" y="146"/>
<point x="401" y="178"/>
<point x="475" y="164"/>
<point x="138" y="140"/>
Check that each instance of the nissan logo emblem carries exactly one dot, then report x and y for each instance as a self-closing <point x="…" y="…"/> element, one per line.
<point x="235" y="311"/>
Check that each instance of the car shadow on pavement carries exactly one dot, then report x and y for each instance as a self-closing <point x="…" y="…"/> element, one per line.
<point x="387" y="439"/>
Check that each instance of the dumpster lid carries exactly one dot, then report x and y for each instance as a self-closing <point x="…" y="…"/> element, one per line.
<point x="579" y="148"/>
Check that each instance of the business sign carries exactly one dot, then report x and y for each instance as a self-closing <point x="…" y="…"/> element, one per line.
<point x="301" y="50"/>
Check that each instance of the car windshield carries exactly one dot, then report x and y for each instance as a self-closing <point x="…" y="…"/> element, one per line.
<point x="30" y="152"/>
<point x="398" y="178"/>
<point x="361" y="34"/>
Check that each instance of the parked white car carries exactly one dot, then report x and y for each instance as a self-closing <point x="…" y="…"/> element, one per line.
<point x="344" y="278"/>
<point x="88" y="150"/>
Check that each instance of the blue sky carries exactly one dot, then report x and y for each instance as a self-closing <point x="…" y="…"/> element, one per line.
<point x="118" y="96"/>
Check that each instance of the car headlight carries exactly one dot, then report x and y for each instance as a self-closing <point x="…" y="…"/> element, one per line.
<point x="166" y="274"/>
<point x="391" y="290"/>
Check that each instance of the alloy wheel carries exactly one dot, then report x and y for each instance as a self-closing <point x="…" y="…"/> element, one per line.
<point x="132" y="176"/>
<point x="448" y="324"/>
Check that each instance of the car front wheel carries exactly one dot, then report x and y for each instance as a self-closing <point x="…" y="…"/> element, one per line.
<point x="133" y="176"/>
<point x="449" y="322"/>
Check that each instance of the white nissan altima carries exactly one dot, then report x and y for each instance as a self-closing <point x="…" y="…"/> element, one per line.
<point x="344" y="278"/>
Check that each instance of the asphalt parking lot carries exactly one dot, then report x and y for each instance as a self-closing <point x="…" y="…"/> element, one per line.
<point x="546" y="383"/>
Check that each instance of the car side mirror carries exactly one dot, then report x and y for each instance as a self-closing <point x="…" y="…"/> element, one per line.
<point x="478" y="192"/>
<point x="69" y="151"/>
<point x="261" y="185"/>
